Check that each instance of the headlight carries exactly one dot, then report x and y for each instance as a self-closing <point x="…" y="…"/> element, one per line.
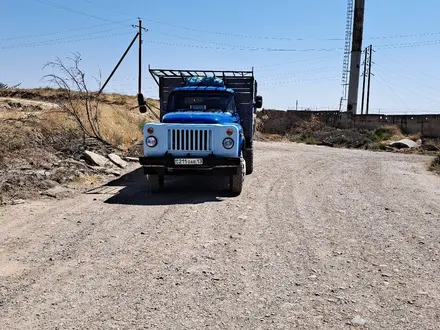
<point x="228" y="143"/>
<point x="151" y="141"/>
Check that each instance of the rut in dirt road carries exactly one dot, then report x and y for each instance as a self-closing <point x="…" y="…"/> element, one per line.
<point x="320" y="238"/>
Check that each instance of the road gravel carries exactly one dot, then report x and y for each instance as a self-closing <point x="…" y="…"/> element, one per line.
<point x="321" y="238"/>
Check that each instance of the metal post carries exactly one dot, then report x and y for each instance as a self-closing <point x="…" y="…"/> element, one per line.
<point x="356" y="53"/>
<point x="117" y="65"/>
<point x="369" y="79"/>
<point x="363" y="84"/>
<point x="140" y="57"/>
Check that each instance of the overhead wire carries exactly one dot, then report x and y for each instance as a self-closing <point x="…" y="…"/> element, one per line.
<point x="297" y="73"/>
<point x="398" y="97"/>
<point x="61" y="41"/>
<point x="242" y="48"/>
<point x="72" y="10"/>
<point x="263" y="84"/>
<point x="62" y="31"/>
<point x="407" y="66"/>
<point x="403" y="76"/>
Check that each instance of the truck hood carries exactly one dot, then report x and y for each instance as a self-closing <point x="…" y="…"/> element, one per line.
<point x="192" y="117"/>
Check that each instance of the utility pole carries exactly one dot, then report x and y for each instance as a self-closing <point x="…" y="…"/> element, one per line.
<point x="141" y="100"/>
<point x="140" y="58"/>
<point x="296" y="105"/>
<point x="356" y="54"/>
<point x="138" y="34"/>
<point x="364" y="74"/>
<point x="369" y="78"/>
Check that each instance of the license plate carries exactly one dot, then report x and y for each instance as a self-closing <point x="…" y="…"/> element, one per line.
<point x="188" y="161"/>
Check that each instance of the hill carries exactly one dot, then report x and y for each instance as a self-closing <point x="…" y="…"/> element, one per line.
<point x="42" y="145"/>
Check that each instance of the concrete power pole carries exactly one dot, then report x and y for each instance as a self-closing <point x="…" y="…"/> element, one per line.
<point x="356" y="53"/>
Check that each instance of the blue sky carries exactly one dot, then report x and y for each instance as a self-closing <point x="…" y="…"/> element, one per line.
<point x="299" y="56"/>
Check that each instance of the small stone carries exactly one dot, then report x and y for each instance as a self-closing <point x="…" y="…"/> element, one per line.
<point x="95" y="159"/>
<point x="131" y="159"/>
<point x="58" y="192"/>
<point x="357" y="320"/>
<point x="142" y="233"/>
<point x="18" y="201"/>
<point x="46" y="166"/>
<point x="117" y="160"/>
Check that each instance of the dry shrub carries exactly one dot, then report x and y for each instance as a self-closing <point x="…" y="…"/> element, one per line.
<point x="435" y="165"/>
<point x="387" y="133"/>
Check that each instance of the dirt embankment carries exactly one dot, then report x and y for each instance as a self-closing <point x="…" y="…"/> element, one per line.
<point x="42" y="146"/>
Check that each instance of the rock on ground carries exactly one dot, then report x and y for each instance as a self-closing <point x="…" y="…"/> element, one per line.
<point x="95" y="159"/>
<point x="404" y="143"/>
<point x="117" y="160"/>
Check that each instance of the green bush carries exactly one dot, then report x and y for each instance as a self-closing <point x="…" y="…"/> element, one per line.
<point x="384" y="133"/>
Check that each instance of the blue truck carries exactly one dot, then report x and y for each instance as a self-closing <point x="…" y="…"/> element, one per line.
<point x="207" y="125"/>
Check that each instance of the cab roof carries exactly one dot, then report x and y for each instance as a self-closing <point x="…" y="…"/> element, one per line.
<point x="204" y="88"/>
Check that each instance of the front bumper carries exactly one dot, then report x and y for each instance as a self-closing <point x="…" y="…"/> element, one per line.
<point x="211" y="164"/>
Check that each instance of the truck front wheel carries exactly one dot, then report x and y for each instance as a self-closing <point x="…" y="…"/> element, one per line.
<point x="236" y="180"/>
<point x="249" y="161"/>
<point x="156" y="182"/>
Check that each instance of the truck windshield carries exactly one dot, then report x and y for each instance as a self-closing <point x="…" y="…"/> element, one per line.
<point x="202" y="101"/>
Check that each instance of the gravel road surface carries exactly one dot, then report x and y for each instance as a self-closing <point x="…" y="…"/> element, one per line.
<point x="321" y="238"/>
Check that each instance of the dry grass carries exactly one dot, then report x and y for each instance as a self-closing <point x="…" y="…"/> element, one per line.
<point x="435" y="165"/>
<point x="120" y="121"/>
<point x="84" y="180"/>
<point x="121" y="125"/>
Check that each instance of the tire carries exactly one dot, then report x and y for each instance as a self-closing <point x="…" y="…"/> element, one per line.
<point x="156" y="182"/>
<point x="236" y="180"/>
<point x="249" y="161"/>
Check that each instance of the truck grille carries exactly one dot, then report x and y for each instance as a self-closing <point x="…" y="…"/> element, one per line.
<point x="190" y="139"/>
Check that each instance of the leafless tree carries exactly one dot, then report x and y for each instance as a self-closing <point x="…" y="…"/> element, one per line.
<point x="77" y="99"/>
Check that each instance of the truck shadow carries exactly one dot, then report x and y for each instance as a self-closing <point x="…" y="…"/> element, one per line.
<point x="132" y="189"/>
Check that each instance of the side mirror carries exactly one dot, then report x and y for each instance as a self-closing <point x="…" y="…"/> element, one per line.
<point x="141" y="103"/>
<point x="258" y="101"/>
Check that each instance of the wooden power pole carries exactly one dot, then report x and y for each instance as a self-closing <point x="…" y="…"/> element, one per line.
<point x="356" y="54"/>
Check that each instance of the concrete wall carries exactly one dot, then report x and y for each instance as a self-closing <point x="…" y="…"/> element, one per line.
<point x="279" y="122"/>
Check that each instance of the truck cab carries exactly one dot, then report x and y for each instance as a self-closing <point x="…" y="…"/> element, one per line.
<point x="206" y="126"/>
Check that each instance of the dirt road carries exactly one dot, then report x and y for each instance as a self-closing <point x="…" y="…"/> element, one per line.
<point x="321" y="238"/>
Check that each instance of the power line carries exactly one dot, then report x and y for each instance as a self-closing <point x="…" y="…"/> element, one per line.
<point x="221" y="33"/>
<point x="262" y="85"/>
<point x="298" y="73"/>
<point x="283" y="64"/>
<point x="62" y="41"/>
<point x="407" y="90"/>
<point x="244" y="48"/>
<point x="410" y="44"/>
<point x="62" y="31"/>
<point x="401" y="75"/>
<point x="405" y="36"/>
<point x="58" y="39"/>
<point x="284" y="38"/>
<point x="415" y="93"/>
<point x="407" y="66"/>
<point x="399" y="98"/>
<point x="107" y="8"/>
<point x="55" y="5"/>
